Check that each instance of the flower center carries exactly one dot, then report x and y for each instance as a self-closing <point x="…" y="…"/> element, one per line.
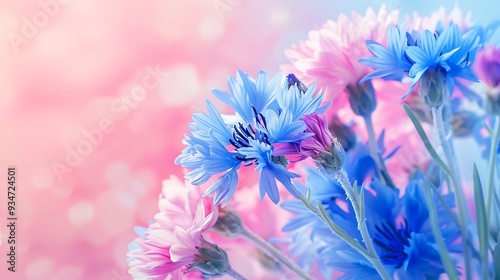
<point x="391" y="243"/>
<point x="242" y="135"/>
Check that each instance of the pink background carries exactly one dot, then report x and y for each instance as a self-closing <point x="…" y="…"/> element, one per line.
<point x="74" y="68"/>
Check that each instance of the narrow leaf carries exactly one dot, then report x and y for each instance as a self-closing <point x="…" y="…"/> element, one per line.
<point x="433" y="217"/>
<point x="481" y="222"/>
<point x="340" y="232"/>
<point x="496" y="259"/>
<point x="451" y="214"/>
<point x="441" y="199"/>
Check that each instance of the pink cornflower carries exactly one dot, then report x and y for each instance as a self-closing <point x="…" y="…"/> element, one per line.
<point x="487" y="66"/>
<point x="329" y="57"/>
<point x="171" y="244"/>
<point x="487" y="69"/>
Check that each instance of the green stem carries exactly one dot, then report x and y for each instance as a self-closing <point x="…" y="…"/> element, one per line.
<point x="271" y="250"/>
<point x="375" y="154"/>
<point x="320" y="212"/>
<point x="342" y="178"/>
<point x="372" y="142"/>
<point x="443" y="252"/>
<point x="437" y="116"/>
<point x="495" y="138"/>
<point x="235" y="274"/>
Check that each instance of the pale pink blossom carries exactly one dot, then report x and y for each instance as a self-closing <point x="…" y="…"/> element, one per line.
<point x="170" y="243"/>
<point x="329" y="57"/>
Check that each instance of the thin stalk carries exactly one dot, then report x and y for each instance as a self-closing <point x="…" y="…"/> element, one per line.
<point x="495" y="138"/>
<point x="271" y="250"/>
<point x="372" y="141"/>
<point x="372" y="257"/>
<point x="342" y="178"/>
<point x="375" y="154"/>
<point x="443" y="252"/>
<point x="437" y="116"/>
<point x="235" y="274"/>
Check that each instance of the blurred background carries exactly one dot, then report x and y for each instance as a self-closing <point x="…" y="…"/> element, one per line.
<point x="95" y="97"/>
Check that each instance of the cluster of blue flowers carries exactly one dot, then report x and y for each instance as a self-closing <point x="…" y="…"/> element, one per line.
<point x="267" y="114"/>
<point x="440" y="56"/>
<point x="399" y="226"/>
<point x="277" y="122"/>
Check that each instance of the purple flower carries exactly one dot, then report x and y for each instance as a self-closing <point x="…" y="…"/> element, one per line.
<point x="326" y="151"/>
<point x="487" y="66"/>
<point x="487" y="69"/>
<point x="321" y="141"/>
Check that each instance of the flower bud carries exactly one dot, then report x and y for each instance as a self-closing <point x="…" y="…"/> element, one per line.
<point x="433" y="88"/>
<point x="229" y="224"/>
<point x="326" y="151"/>
<point x="212" y="260"/>
<point x="292" y="80"/>
<point x="333" y="160"/>
<point x="362" y="98"/>
<point x="322" y="139"/>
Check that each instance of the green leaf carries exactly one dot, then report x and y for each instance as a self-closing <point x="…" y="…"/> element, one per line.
<point x="481" y="221"/>
<point x="496" y="259"/>
<point x="450" y="213"/>
<point x="340" y="232"/>
<point x="426" y="141"/>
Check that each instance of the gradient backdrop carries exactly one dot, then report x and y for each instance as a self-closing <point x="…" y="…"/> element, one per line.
<point x="95" y="97"/>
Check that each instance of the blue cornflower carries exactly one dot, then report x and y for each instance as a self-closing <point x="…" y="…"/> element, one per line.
<point x="399" y="226"/>
<point x="391" y="62"/>
<point x="307" y="251"/>
<point x="299" y="102"/>
<point x="267" y="115"/>
<point x="305" y="226"/>
<point x="430" y="57"/>
<point x="247" y="93"/>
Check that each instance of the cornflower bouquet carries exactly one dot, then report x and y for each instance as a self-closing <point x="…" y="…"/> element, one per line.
<point x="333" y="142"/>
